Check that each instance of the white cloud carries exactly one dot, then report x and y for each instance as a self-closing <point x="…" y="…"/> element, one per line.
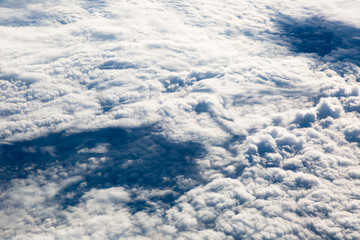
<point x="169" y="120"/>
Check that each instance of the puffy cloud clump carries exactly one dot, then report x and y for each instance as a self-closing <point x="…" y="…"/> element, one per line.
<point x="329" y="107"/>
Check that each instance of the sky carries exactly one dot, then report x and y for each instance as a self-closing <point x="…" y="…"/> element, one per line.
<point x="161" y="119"/>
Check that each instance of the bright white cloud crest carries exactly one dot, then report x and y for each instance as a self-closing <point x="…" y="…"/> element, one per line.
<point x="179" y="120"/>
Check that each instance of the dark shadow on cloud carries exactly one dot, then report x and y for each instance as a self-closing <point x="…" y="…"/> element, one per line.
<point x="332" y="41"/>
<point x="353" y="135"/>
<point x="116" y="65"/>
<point x="30" y="16"/>
<point x="93" y="5"/>
<point x="305" y="120"/>
<point x="198" y="76"/>
<point x="174" y="83"/>
<point x="36" y="18"/>
<point x="131" y="158"/>
<point x="102" y="36"/>
<point x="22" y="80"/>
<point x="313" y="35"/>
<point x="17" y="22"/>
<point x="16" y="4"/>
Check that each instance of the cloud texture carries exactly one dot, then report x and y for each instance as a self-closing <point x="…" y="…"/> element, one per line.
<point x="179" y="120"/>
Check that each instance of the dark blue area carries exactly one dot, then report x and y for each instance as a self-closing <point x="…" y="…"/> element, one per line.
<point x="202" y="107"/>
<point x="19" y="80"/>
<point x="308" y="37"/>
<point x="116" y="65"/>
<point x="305" y="120"/>
<point x="265" y="147"/>
<point x="198" y="76"/>
<point x="93" y="5"/>
<point x="174" y="83"/>
<point x="15" y="4"/>
<point x="322" y="37"/>
<point x="353" y="135"/>
<point x="135" y="158"/>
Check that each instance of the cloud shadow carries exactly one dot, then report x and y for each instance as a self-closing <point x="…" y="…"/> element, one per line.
<point x="332" y="42"/>
<point x="110" y="65"/>
<point x="132" y="158"/>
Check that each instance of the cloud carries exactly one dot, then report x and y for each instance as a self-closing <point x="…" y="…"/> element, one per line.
<point x="329" y="108"/>
<point x="143" y="120"/>
<point x="334" y="43"/>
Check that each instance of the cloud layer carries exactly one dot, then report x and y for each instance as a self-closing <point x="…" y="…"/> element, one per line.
<point x="164" y="120"/>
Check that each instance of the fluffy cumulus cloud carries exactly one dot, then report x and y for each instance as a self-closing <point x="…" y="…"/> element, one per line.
<point x="151" y="119"/>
